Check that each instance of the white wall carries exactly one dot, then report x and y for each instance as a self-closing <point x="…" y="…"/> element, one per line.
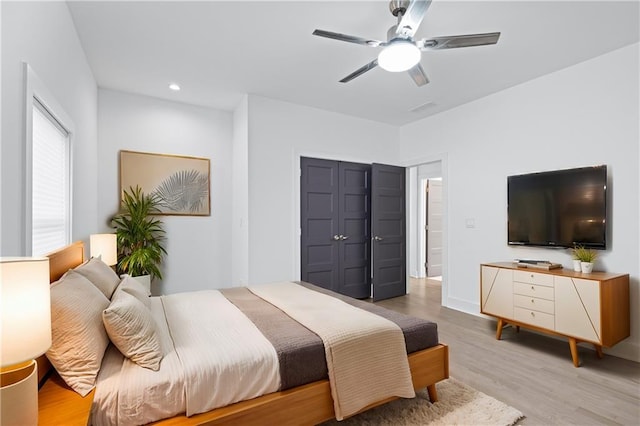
<point x="240" y="195"/>
<point x="279" y="133"/>
<point x="43" y="35"/>
<point x="587" y="114"/>
<point x="199" y="255"/>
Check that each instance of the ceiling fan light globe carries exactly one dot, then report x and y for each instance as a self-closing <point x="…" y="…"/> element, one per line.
<point x="399" y="56"/>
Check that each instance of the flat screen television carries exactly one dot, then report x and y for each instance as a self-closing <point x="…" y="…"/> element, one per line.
<point x="558" y="208"/>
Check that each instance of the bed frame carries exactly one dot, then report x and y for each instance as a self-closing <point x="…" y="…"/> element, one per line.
<point x="307" y="404"/>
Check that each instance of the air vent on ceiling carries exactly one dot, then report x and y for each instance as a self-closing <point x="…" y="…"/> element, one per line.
<point x="425" y="106"/>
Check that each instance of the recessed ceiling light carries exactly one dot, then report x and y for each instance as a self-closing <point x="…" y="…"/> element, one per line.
<point x="174" y="87"/>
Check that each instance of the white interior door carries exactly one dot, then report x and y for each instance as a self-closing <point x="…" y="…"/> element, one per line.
<point x="434" y="228"/>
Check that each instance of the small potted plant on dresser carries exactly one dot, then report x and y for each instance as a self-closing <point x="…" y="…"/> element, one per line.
<point x="140" y="236"/>
<point x="586" y="257"/>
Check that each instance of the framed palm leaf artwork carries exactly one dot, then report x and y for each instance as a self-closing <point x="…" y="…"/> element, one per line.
<point x="180" y="184"/>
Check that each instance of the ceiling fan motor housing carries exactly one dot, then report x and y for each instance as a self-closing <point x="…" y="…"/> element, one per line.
<point x="398" y="7"/>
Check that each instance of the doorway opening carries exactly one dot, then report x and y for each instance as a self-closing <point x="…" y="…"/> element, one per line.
<point x="427" y="229"/>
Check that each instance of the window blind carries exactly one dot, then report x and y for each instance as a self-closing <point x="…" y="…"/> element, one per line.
<point x="51" y="212"/>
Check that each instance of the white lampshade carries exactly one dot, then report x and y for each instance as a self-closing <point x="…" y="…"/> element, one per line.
<point x="25" y="307"/>
<point x="105" y="246"/>
<point x="399" y="55"/>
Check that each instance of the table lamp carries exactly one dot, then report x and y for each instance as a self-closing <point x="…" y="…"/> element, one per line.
<point x="105" y="246"/>
<point x="25" y="310"/>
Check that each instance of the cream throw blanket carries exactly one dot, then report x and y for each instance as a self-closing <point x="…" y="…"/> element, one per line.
<point x="366" y="354"/>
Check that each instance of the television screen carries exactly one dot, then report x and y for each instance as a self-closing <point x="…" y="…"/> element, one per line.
<point x="560" y="208"/>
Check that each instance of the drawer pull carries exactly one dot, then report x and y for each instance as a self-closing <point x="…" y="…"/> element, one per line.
<point x="532" y="301"/>
<point x="531" y="275"/>
<point x="533" y="314"/>
<point x="533" y="288"/>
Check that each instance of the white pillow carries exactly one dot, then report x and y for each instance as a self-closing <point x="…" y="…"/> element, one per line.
<point x="78" y="336"/>
<point x="132" y="330"/>
<point x="100" y="274"/>
<point x="134" y="288"/>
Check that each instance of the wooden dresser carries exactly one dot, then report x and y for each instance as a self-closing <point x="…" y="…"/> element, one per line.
<point x="590" y="308"/>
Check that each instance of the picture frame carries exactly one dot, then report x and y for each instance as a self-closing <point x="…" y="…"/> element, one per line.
<point x="181" y="183"/>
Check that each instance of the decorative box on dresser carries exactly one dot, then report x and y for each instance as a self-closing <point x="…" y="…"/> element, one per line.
<point x="590" y="308"/>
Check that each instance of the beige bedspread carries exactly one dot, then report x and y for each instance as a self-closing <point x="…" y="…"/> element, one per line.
<point x="366" y="355"/>
<point x="224" y="356"/>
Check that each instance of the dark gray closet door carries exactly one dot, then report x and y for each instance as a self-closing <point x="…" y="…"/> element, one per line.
<point x="335" y="221"/>
<point x="389" y="231"/>
<point x="355" y="229"/>
<point x="319" y="222"/>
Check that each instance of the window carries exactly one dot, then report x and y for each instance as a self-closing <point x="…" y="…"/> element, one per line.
<point x="50" y="214"/>
<point x="47" y="171"/>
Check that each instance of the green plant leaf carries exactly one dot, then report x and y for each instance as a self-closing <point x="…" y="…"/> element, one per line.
<point x="140" y="235"/>
<point x="584" y="254"/>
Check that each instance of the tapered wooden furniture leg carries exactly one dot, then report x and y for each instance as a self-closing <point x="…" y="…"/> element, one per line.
<point x="599" y="351"/>
<point x="433" y="393"/>
<point x="499" y="328"/>
<point x="517" y="329"/>
<point x="573" y="344"/>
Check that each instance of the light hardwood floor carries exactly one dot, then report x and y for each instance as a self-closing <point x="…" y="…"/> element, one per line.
<point x="529" y="371"/>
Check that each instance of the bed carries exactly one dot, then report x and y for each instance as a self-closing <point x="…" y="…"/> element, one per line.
<point x="299" y="403"/>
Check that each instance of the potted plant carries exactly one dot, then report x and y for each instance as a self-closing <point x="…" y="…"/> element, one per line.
<point x="585" y="256"/>
<point x="140" y="235"/>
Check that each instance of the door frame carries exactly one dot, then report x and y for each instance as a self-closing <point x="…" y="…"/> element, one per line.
<point x="444" y="168"/>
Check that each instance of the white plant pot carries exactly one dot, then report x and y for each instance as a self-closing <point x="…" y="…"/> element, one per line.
<point x="577" y="265"/>
<point x="586" y="267"/>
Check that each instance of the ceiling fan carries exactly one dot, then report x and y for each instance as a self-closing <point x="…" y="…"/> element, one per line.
<point x="401" y="52"/>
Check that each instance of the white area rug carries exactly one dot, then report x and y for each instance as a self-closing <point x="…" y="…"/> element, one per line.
<point x="458" y="404"/>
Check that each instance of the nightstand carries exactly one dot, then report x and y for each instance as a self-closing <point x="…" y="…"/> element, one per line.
<point x="60" y="405"/>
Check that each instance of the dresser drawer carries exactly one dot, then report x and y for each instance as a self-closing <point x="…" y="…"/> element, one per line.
<point x="538" y="319"/>
<point x="533" y="278"/>
<point x="532" y="290"/>
<point x="534" y="303"/>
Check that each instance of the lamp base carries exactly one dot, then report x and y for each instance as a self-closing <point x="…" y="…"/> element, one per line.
<point x="19" y="395"/>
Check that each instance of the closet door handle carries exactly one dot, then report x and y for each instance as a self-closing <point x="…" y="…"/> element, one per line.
<point x="376" y="238"/>
<point x="343" y="237"/>
<point x="336" y="237"/>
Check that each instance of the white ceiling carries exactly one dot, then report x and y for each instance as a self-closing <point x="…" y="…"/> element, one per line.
<point x="217" y="51"/>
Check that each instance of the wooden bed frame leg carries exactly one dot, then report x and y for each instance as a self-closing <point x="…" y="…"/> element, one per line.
<point x="573" y="344"/>
<point x="433" y="393"/>
<point x="499" y="328"/>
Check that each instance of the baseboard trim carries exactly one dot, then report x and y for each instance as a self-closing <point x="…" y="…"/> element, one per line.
<point x="462" y="305"/>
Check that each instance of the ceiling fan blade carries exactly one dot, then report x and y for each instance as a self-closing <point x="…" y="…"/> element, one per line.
<point x="418" y="75"/>
<point x="452" y="42"/>
<point x="349" y="38"/>
<point x="412" y="18"/>
<point x="371" y="65"/>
